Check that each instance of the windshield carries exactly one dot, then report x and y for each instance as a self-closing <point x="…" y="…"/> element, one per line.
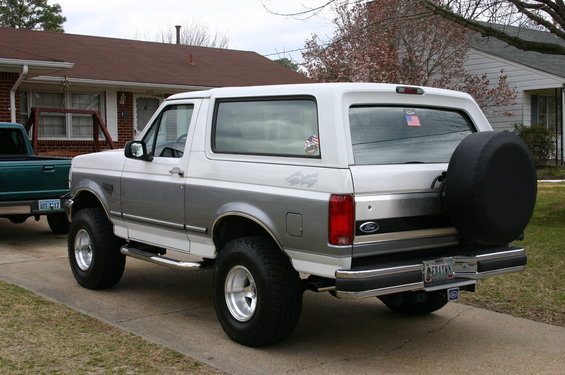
<point x="399" y="135"/>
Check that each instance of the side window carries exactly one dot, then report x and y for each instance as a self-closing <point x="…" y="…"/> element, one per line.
<point x="276" y="127"/>
<point x="167" y="135"/>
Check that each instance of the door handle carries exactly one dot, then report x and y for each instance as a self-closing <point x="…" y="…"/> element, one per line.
<point x="177" y="170"/>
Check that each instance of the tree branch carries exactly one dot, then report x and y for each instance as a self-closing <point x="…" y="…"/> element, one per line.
<point x="526" y="45"/>
<point x="521" y="6"/>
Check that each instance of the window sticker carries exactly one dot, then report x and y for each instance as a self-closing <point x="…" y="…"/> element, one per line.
<point x="412" y="120"/>
<point x="312" y="145"/>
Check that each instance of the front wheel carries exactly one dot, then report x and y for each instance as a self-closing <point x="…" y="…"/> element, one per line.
<point x="415" y="303"/>
<point x="58" y="223"/>
<point x="257" y="292"/>
<point x="94" y="250"/>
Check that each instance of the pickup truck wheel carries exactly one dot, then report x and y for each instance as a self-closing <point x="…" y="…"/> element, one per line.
<point x="58" y="223"/>
<point x="257" y="293"/>
<point x="94" y="250"/>
<point x="18" y="219"/>
<point x="415" y="303"/>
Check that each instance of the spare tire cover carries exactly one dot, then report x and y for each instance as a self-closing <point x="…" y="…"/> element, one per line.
<point x="491" y="186"/>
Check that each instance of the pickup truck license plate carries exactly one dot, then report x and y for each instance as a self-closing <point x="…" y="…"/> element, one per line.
<point x="438" y="270"/>
<point x="49" y="204"/>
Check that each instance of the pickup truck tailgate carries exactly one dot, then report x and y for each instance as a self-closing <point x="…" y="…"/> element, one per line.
<point x="33" y="179"/>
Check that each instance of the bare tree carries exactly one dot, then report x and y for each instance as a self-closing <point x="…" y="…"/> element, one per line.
<point x="480" y="15"/>
<point x="191" y="33"/>
<point x="370" y="45"/>
<point x="486" y="17"/>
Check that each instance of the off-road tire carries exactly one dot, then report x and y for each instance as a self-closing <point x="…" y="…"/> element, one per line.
<point x="276" y="291"/>
<point x="415" y="303"/>
<point x="18" y="219"/>
<point x="58" y="223"/>
<point x="99" y="264"/>
<point x="491" y="186"/>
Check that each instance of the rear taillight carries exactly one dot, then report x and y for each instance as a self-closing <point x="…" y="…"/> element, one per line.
<point x="341" y="219"/>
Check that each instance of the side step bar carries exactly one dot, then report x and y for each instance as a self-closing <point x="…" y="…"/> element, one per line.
<point x="157" y="259"/>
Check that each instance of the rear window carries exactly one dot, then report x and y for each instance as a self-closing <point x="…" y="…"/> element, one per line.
<point x="12" y="142"/>
<point x="277" y="127"/>
<point x="400" y="135"/>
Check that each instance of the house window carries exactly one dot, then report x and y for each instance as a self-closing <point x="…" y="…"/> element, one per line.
<point x="52" y="124"/>
<point x="81" y="125"/>
<point x="24" y="107"/>
<point x="544" y="110"/>
<point x="66" y="125"/>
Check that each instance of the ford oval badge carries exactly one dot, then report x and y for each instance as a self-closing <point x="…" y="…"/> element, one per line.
<point x="369" y="227"/>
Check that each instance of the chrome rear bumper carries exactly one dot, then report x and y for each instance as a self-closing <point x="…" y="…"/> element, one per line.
<point x="409" y="276"/>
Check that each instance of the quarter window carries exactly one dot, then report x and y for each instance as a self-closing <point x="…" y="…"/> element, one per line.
<point x="277" y="127"/>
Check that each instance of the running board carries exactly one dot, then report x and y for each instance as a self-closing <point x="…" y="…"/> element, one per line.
<point x="157" y="259"/>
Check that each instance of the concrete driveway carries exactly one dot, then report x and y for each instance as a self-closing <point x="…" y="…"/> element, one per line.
<point x="174" y="308"/>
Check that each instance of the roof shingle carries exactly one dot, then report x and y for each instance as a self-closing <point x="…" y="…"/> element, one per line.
<point x="111" y="59"/>
<point x="554" y="64"/>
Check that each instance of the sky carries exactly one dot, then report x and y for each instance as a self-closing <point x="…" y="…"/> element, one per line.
<point x="247" y="23"/>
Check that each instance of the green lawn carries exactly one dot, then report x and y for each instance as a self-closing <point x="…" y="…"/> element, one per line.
<point x="539" y="292"/>
<point x="43" y="337"/>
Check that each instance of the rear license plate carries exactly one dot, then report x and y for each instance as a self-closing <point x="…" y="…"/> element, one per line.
<point x="49" y="204"/>
<point x="438" y="270"/>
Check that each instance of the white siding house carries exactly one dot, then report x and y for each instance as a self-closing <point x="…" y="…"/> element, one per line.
<point x="539" y="81"/>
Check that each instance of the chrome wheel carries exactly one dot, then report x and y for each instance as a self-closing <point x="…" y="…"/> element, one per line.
<point x="240" y="291"/>
<point x="83" y="250"/>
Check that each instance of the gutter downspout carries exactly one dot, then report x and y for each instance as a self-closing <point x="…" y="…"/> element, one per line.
<point x="25" y="70"/>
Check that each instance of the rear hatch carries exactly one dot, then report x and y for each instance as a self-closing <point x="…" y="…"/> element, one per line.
<point x="400" y="154"/>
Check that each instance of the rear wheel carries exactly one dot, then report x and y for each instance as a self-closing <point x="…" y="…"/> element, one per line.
<point x="94" y="250"/>
<point x="58" y="223"/>
<point x="257" y="293"/>
<point x="415" y="303"/>
<point x="18" y="219"/>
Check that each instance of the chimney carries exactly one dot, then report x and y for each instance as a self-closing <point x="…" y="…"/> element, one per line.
<point x="178" y="33"/>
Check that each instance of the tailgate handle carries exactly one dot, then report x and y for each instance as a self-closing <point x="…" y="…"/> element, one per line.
<point x="48" y="168"/>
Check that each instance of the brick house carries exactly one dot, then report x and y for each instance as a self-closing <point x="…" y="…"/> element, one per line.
<point x="123" y="80"/>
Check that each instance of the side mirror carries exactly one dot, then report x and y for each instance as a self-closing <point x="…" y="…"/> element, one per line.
<point x="137" y="150"/>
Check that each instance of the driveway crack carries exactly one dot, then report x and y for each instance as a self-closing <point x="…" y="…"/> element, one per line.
<point x="429" y="332"/>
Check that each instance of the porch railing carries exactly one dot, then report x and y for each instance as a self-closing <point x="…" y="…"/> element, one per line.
<point x="33" y="124"/>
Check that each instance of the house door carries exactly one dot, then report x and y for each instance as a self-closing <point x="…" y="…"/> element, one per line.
<point x="144" y="109"/>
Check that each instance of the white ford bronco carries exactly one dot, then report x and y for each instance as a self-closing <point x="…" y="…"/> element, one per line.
<point x="361" y="190"/>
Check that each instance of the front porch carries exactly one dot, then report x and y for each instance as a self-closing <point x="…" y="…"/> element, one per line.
<point x="545" y="107"/>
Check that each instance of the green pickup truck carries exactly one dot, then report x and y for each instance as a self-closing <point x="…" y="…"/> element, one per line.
<point x="31" y="185"/>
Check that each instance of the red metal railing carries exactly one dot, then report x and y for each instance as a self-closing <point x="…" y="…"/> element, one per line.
<point x="97" y="124"/>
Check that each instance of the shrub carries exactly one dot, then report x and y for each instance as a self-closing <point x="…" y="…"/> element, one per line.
<point x="539" y="140"/>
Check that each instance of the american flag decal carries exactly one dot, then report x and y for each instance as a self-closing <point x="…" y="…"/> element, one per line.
<point x="412" y="120"/>
<point x="312" y="144"/>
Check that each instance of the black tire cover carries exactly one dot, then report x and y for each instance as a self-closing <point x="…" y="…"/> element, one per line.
<point x="491" y="186"/>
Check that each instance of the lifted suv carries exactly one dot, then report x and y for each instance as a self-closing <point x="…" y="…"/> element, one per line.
<point x="362" y="190"/>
